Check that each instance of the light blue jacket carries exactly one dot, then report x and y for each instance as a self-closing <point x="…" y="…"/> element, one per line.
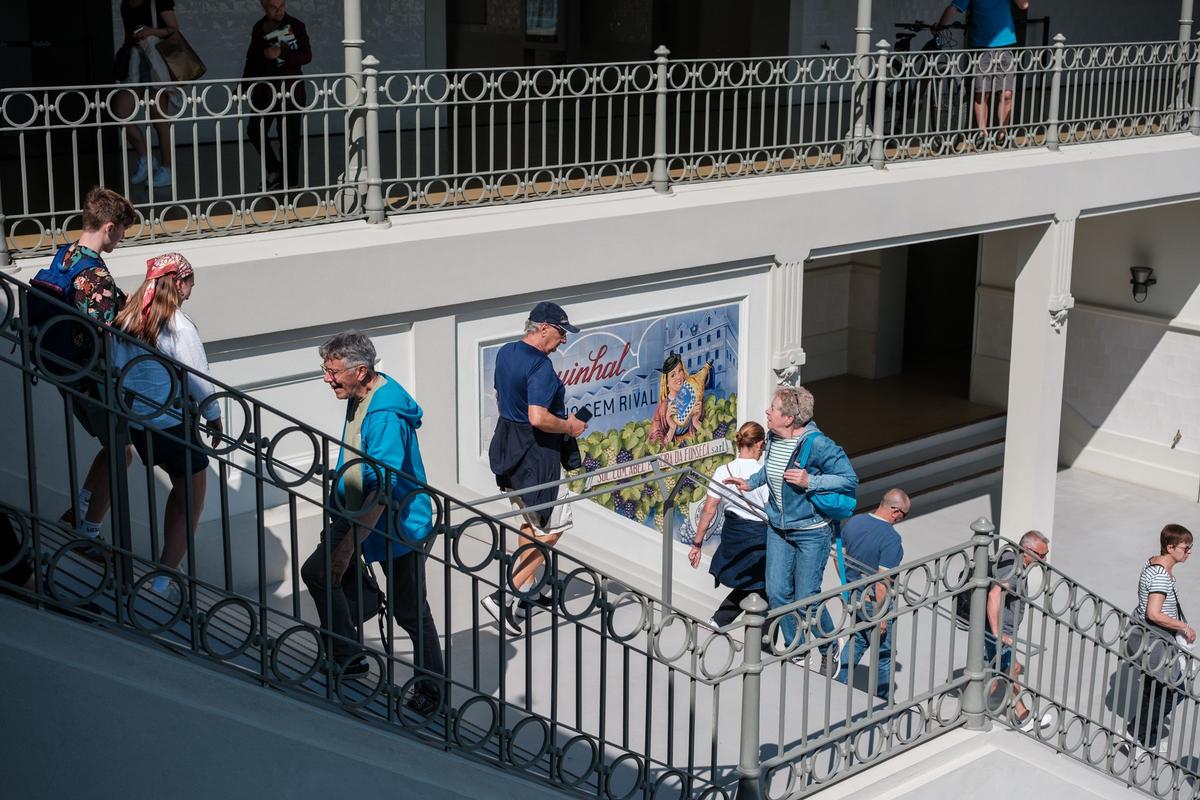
<point x="389" y="436"/>
<point x="829" y="471"/>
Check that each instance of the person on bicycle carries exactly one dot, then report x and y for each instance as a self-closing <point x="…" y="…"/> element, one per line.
<point x="991" y="29"/>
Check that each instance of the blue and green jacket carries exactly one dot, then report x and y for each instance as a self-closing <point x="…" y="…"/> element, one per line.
<point x="389" y="436"/>
<point x="829" y="471"/>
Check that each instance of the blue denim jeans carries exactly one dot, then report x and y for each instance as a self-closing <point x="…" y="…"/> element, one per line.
<point x="860" y="645"/>
<point x="795" y="567"/>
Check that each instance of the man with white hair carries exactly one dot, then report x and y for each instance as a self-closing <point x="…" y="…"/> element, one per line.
<point x="381" y="421"/>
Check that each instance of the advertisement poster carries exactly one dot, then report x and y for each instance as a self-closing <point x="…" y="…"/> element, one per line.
<point x="687" y="412"/>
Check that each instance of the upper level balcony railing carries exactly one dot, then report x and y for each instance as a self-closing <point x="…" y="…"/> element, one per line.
<point x="255" y="155"/>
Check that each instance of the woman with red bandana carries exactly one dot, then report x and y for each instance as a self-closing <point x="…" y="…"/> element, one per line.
<point x="165" y="438"/>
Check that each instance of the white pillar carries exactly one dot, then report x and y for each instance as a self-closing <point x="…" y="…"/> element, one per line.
<point x="1041" y="300"/>
<point x="1185" y="20"/>
<point x="787" y="313"/>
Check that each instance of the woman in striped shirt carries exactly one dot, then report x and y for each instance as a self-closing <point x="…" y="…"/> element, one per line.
<point x="1159" y="610"/>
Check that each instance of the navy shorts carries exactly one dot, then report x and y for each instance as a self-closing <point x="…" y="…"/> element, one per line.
<point x="170" y="453"/>
<point x="989" y="654"/>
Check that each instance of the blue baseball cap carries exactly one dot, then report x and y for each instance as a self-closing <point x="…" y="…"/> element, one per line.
<point x="552" y="314"/>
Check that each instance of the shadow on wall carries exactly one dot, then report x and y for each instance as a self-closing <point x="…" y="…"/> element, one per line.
<point x="1128" y="376"/>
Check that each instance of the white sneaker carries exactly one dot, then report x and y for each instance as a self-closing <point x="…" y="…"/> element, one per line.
<point x="503" y="614"/>
<point x="161" y="177"/>
<point x="171" y="594"/>
<point x="139" y="174"/>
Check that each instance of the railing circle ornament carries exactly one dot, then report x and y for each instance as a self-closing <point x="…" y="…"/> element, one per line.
<point x="614" y="768"/>
<point x="685" y="645"/>
<point x="127" y="397"/>
<point x="277" y="649"/>
<point x="58" y="369"/>
<point x="136" y="612"/>
<point x="73" y="546"/>
<point x="213" y="613"/>
<point x="276" y="441"/>
<point x="379" y="673"/>
<point x="538" y="753"/>
<point x="569" y="779"/>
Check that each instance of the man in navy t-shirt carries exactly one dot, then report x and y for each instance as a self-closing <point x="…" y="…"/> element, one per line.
<point x="527" y="447"/>
<point x="873" y="545"/>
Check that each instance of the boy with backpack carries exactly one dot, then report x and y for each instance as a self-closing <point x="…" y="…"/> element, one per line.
<point x="79" y="278"/>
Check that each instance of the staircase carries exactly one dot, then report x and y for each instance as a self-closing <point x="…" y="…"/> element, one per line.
<point x="936" y="468"/>
<point x="608" y="693"/>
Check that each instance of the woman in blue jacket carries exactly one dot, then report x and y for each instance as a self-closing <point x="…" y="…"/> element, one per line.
<point x="800" y="535"/>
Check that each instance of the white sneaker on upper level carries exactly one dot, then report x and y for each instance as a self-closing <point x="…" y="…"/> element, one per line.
<point x="161" y="177"/>
<point x="139" y="174"/>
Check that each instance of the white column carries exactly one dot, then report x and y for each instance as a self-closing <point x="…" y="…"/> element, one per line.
<point x="787" y="312"/>
<point x="1041" y="300"/>
<point x="435" y="386"/>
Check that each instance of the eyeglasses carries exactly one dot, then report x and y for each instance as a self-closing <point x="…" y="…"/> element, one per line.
<point x="561" y="330"/>
<point x="1039" y="554"/>
<point x="900" y="511"/>
<point x="333" y="373"/>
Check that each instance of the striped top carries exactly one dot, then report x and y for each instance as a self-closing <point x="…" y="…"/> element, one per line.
<point x="779" y="456"/>
<point x="1156" y="579"/>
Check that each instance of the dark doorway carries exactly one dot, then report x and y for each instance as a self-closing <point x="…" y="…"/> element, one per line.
<point x="939" y="313"/>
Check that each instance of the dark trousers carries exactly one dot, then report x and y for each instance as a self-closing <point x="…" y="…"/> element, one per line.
<point x="409" y="605"/>
<point x="1155" y="705"/>
<point x="287" y="126"/>
<point x="730" y="607"/>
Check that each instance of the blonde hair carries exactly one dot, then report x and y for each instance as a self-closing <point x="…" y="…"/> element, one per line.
<point x="163" y="305"/>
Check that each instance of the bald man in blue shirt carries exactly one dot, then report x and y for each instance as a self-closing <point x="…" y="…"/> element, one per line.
<point x="991" y="28"/>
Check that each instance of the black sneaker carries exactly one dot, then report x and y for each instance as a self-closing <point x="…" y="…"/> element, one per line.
<point x="356" y="668"/>
<point x="502" y="614"/>
<point x="543" y="602"/>
<point x="423" y="703"/>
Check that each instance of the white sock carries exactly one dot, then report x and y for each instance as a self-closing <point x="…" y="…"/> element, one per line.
<point x="160" y="584"/>
<point x="90" y="530"/>
<point x="85" y="500"/>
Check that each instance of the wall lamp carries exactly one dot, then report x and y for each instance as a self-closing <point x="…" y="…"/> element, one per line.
<point x="1142" y="280"/>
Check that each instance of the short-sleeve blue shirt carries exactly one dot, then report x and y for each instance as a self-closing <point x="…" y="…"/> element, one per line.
<point x="871" y="543"/>
<point x="525" y="377"/>
<point x="991" y="22"/>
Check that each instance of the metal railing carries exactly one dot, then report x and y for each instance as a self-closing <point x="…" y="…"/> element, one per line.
<point x="610" y="691"/>
<point x="370" y="144"/>
<point x="1088" y="681"/>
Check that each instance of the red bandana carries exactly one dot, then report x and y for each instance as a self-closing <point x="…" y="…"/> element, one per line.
<point x="159" y="266"/>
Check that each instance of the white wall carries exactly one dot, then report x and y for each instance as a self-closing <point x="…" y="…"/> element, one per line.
<point x="854" y="315"/>
<point x="1133" y="370"/>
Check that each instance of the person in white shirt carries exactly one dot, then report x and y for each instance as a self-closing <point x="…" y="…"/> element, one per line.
<point x="740" y="560"/>
<point x="164" y="437"/>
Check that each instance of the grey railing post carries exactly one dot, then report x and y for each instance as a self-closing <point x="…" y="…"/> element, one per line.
<point x="1195" y="125"/>
<point x="749" y="768"/>
<point x="1185" y="20"/>
<point x="974" y="696"/>
<point x="352" y="47"/>
<point x="5" y="256"/>
<point x="862" y="52"/>
<point x="1052" y="124"/>
<point x="877" y="154"/>
<point x="660" y="177"/>
<point x="376" y="214"/>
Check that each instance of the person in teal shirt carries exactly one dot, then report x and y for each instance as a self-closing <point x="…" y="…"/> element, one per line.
<point x="991" y="29"/>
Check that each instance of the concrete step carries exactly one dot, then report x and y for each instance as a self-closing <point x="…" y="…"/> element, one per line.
<point x="874" y="463"/>
<point x="935" y="473"/>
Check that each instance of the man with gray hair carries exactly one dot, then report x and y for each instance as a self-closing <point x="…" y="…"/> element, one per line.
<point x="1005" y="609"/>
<point x="800" y="534"/>
<point x="381" y="423"/>
<point x="533" y="433"/>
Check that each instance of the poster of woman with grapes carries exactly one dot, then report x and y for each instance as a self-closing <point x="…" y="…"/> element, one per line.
<point x="665" y="384"/>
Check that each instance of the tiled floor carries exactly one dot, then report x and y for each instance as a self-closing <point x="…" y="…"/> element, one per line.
<point x="898" y="408"/>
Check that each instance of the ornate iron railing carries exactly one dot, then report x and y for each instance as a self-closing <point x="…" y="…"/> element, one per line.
<point x="610" y="691"/>
<point x="369" y="144"/>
